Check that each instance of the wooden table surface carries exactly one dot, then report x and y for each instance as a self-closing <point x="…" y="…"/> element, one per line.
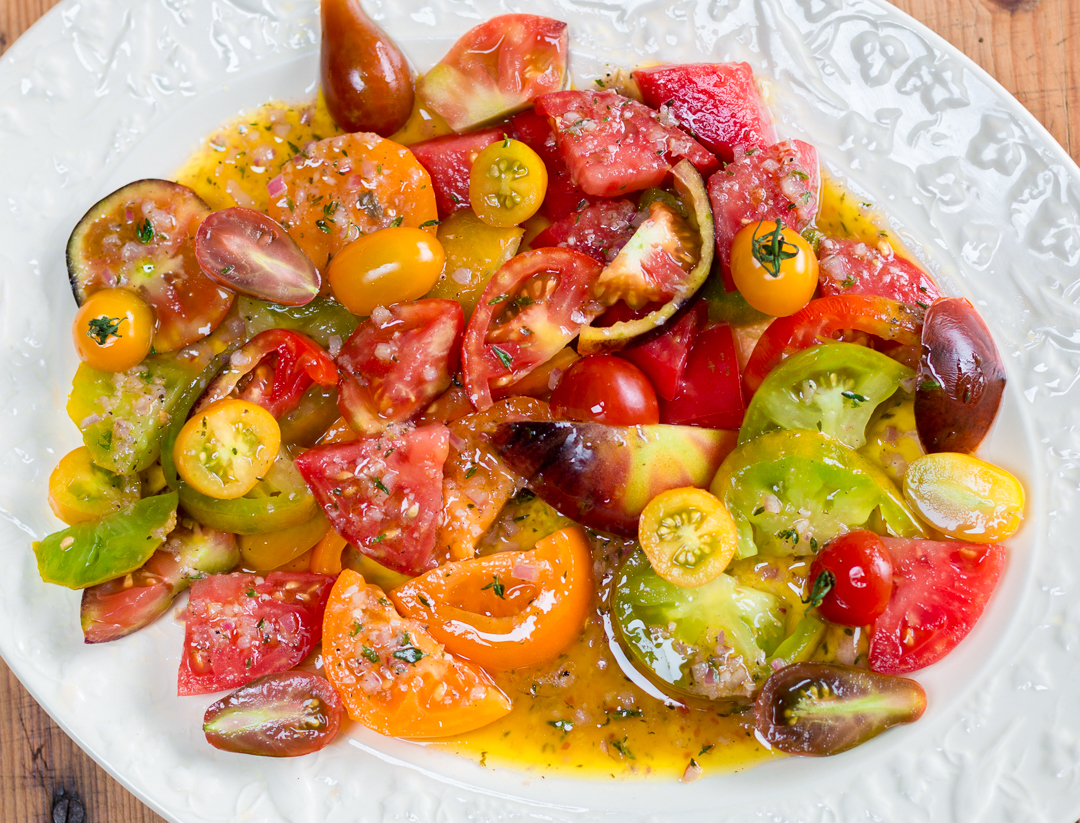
<point x="1032" y="48"/>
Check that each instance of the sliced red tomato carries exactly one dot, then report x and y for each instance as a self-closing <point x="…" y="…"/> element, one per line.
<point x="242" y="626"/>
<point x="663" y="360"/>
<point x="852" y="267"/>
<point x="383" y="494"/>
<point x="273" y="370"/>
<point x="599" y="230"/>
<point x="563" y="198"/>
<point x="709" y="394"/>
<point x="496" y="69"/>
<point x="530" y="309"/>
<point x="510" y="609"/>
<point x="820" y="320"/>
<point x="603" y="388"/>
<point x="614" y="145"/>
<point x="393" y="676"/>
<point x="398" y="361"/>
<point x="718" y="104"/>
<point x="940" y="590"/>
<point x="142" y="238"/>
<point x="778" y="182"/>
<point x="449" y="160"/>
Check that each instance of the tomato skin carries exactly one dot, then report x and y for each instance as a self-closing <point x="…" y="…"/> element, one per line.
<point x="391" y="673"/>
<point x="449" y="161"/>
<point x="688" y="535"/>
<point x="709" y="391"/>
<point x="940" y="590"/>
<point x="507" y="183"/>
<point x="393" y="265"/>
<point x="664" y="359"/>
<point x="240" y="626"/>
<point x="779" y="287"/>
<point x="602" y="388"/>
<point x="862" y="573"/>
<point x="113" y="330"/>
<point x="506" y="610"/>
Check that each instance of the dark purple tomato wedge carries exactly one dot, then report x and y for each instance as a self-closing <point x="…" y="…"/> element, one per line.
<point x="960" y="378"/>
<point x="277" y="715"/>
<point x="818" y="709"/>
<point x="119" y="607"/>
<point x="246" y="251"/>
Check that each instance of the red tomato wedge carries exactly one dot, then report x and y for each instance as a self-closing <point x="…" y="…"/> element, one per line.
<point x="242" y="626"/>
<point x="383" y="494"/>
<point x="279" y="366"/>
<point x="939" y="591"/>
<point x="496" y="69"/>
<point x="563" y="197"/>
<point x="852" y="267"/>
<point x="709" y="393"/>
<point x="398" y="361"/>
<point x="393" y="676"/>
<point x="530" y="309"/>
<point x="506" y="610"/>
<point x="664" y="359"/>
<point x="449" y="161"/>
<point x="718" y="104"/>
<point x="599" y="230"/>
<point x="779" y="182"/>
<point x="820" y="320"/>
<point x="614" y="145"/>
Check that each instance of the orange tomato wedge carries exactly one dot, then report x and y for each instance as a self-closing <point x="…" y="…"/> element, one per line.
<point x="393" y="676"/>
<point x="506" y="610"/>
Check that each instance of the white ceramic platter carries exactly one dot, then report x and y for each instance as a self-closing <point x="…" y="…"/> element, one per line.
<point x="102" y="92"/>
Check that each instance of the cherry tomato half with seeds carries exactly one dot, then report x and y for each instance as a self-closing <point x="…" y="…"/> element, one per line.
<point x="688" y="536"/>
<point x="774" y="268"/>
<point x="113" y="330"/>
<point x="388" y="266"/>
<point x="602" y="388"/>
<point x="850" y="580"/>
<point x="507" y="183"/>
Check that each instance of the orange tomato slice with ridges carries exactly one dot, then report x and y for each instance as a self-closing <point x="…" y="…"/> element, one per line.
<point x="507" y="610"/>
<point x="393" y="676"/>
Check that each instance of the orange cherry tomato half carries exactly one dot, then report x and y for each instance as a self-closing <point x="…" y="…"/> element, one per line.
<point x="80" y="491"/>
<point x="389" y="266"/>
<point x="113" y="330"/>
<point x="506" y="610"/>
<point x="393" y="676"/>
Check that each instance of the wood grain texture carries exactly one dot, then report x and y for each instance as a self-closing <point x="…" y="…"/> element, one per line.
<point x="1031" y="49"/>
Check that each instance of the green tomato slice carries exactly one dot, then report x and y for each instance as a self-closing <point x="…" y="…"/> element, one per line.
<point x="93" y="552"/>
<point x="833" y="388"/>
<point x="711" y="642"/>
<point x="790" y="492"/>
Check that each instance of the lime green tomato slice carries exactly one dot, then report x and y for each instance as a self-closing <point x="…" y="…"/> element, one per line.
<point x="832" y="388"/>
<point x="671" y="633"/>
<point x="790" y="492"/>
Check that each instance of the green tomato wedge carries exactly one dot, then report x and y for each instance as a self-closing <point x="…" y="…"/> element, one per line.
<point x="790" y="492"/>
<point x="321" y="319"/>
<point x="98" y="550"/>
<point x="711" y="642"/>
<point x="832" y="388"/>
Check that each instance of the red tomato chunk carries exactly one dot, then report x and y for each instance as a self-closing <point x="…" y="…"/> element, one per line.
<point x="710" y="391"/>
<point x="599" y="230"/>
<point x="562" y="197"/>
<point x="853" y="267"/>
<point x="449" y="161"/>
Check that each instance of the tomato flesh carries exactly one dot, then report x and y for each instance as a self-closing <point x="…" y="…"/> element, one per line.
<point x="599" y="230"/>
<point x="688" y="536"/>
<point x="853" y="267"/>
<point x="80" y="490"/>
<point x="709" y="390"/>
<point x="664" y="359"/>
<point x="860" y="572"/>
<point x="563" y="197"/>
<point x="603" y="388"/>
<point x="449" y="160"/>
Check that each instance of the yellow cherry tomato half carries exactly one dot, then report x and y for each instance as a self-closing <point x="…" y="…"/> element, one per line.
<point x="80" y="490"/>
<point x="688" y="536"/>
<point x="964" y="497"/>
<point x="224" y="450"/>
<point x="113" y="330"/>
<point x="773" y="267"/>
<point x="507" y="183"/>
<point x="387" y="266"/>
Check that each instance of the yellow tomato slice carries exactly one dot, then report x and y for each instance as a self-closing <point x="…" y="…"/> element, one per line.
<point x="272" y="550"/>
<point x="113" y="330"/>
<point x="774" y="268"/>
<point x="80" y="490"/>
<point x="688" y="535"/>
<point x="224" y="450"/>
<point x="506" y="610"/>
<point x="391" y="673"/>
<point x="507" y="183"/>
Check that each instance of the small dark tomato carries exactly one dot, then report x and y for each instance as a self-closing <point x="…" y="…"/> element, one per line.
<point x="851" y="579"/>
<point x="822" y="708"/>
<point x="278" y="715"/>
<point x="602" y="388"/>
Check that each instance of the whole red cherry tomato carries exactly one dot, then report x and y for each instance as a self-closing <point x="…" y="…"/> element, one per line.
<point x="602" y="388"/>
<point x="851" y="579"/>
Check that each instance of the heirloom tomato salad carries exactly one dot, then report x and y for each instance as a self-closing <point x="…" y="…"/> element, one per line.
<point x="592" y="429"/>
